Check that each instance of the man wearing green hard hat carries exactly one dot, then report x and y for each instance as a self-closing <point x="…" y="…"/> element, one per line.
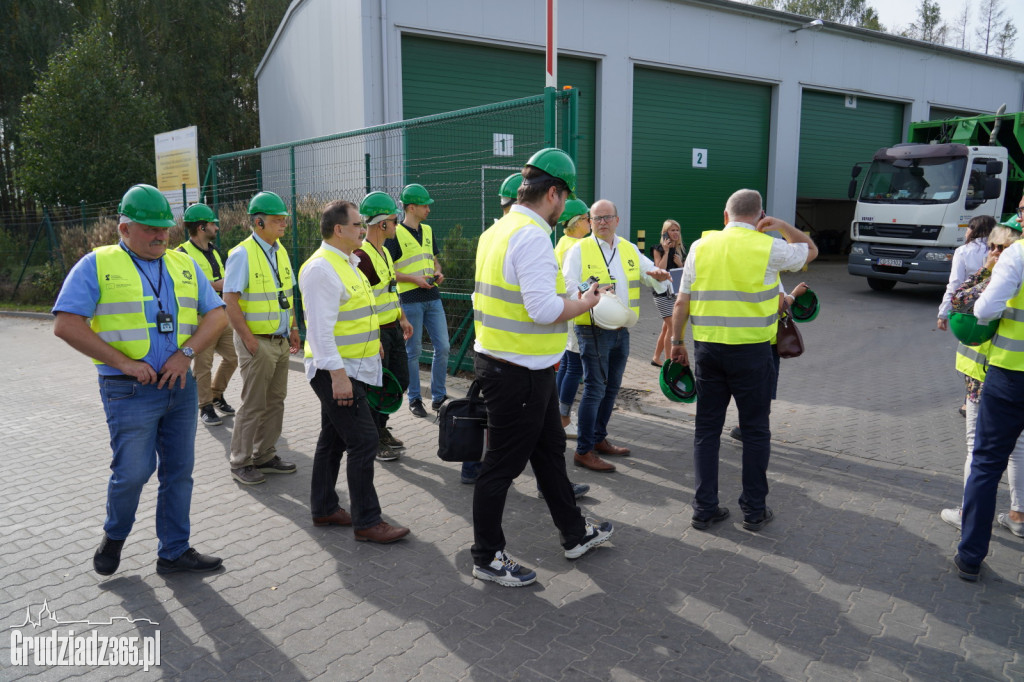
<point x="258" y="292"/>
<point x="134" y="308"/>
<point x="509" y="190"/>
<point x="381" y="215"/>
<point x="202" y="226"/>
<point x="414" y="250"/>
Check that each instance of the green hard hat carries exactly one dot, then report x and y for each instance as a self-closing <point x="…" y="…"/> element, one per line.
<point x="966" y="329"/>
<point x="573" y="208"/>
<point x="677" y="382"/>
<point x="267" y="203"/>
<point x="557" y="163"/>
<point x="145" y="204"/>
<point x="805" y="307"/>
<point x="200" y="213"/>
<point x="377" y="203"/>
<point x="1013" y="222"/>
<point x="386" y="398"/>
<point x="510" y="188"/>
<point x="416" y="195"/>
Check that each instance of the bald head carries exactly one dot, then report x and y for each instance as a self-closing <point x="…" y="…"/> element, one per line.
<point x="604" y="220"/>
<point x="744" y="206"/>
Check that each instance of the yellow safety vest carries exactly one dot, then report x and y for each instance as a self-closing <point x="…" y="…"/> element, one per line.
<point x="200" y="257"/>
<point x="1007" y="349"/>
<point x="259" y="300"/>
<point x="415" y="258"/>
<point x="500" y="319"/>
<point x="562" y="248"/>
<point x="973" y="360"/>
<point x="357" y="332"/>
<point x="729" y="301"/>
<point x="120" y="316"/>
<point x="385" y="300"/>
<point x="592" y="265"/>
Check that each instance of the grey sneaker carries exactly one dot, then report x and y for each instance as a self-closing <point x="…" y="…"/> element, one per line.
<point x="388" y="438"/>
<point x="276" y="466"/>
<point x="248" y="475"/>
<point x="385" y="453"/>
<point x="209" y="417"/>
<point x="1015" y="527"/>
<point x="596" y="534"/>
<point x="505" y="571"/>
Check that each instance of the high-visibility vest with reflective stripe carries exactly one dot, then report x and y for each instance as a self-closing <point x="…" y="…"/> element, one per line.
<point x="500" y="319"/>
<point x="562" y="248"/>
<point x="1007" y="349"/>
<point x="729" y="301"/>
<point x="386" y="301"/>
<point x="973" y="360"/>
<point x="120" y="316"/>
<point x="259" y="302"/>
<point x="415" y="258"/>
<point x="592" y="264"/>
<point x="357" y="332"/>
<point x="200" y="257"/>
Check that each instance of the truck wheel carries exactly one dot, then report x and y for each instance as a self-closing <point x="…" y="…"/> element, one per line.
<point x="881" y="284"/>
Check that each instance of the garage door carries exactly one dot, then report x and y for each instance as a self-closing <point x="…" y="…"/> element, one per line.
<point x="695" y="141"/>
<point x="835" y="133"/>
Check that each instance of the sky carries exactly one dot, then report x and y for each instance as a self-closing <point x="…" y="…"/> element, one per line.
<point x="896" y="14"/>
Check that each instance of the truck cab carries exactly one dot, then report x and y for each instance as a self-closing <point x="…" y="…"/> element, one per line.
<point x="916" y="199"/>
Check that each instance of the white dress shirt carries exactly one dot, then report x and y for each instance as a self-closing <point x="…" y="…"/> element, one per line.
<point x="323" y="294"/>
<point x="967" y="260"/>
<point x="784" y="257"/>
<point x="530" y="264"/>
<point x="1007" y="276"/>
<point x="574" y="266"/>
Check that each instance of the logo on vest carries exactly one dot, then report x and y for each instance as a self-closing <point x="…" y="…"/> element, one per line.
<point x="187" y="275"/>
<point x="630" y="262"/>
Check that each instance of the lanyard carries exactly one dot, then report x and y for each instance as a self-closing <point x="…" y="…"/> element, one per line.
<point x="160" y="281"/>
<point x="273" y="265"/>
<point x="607" y="261"/>
<point x="211" y="258"/>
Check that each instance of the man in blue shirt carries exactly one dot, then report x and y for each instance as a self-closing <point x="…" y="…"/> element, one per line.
<point x="134" y="309"/>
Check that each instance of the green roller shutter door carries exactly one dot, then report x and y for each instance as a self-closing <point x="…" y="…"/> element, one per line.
<point x="833" y="137"/>
<point x="673" y="114"/>
<point x="440" y="76"/>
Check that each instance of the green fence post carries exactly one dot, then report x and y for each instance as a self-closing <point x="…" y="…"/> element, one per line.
<point x="366" y="158"/>
<point x="572" y="125"/>
<point x="299" y="321"/>
<point x="184" y="198"/>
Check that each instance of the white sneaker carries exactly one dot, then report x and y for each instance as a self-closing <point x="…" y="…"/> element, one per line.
<point x="571" y="431"/>
<point x="951" y="516"/>
<point x="1015" y="527"/>
<point x="596" y="534"/>
<point x="505" y="571"/>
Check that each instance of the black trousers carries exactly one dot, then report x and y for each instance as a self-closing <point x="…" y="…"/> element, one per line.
<point x="394" y="360"/>
<point x="747" y="374"/>
<point x="523" y="427"/>
<point x="341" y="429"/>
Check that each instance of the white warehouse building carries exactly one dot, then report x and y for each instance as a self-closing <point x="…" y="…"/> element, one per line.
<point x="680" y="101"/>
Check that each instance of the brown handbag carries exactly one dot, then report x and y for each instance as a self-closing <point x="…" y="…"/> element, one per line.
<point x="789" y="342"/>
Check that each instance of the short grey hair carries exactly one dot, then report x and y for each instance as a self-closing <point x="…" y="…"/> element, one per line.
<point x="744" y="203"/>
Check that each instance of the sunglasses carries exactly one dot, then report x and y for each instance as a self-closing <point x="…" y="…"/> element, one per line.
<point x="998" y="247"/>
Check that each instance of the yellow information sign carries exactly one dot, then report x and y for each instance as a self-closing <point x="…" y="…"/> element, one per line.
<point x="177" y="164"/>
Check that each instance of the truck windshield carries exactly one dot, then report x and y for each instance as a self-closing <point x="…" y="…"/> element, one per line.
<point x="914" y="181"/>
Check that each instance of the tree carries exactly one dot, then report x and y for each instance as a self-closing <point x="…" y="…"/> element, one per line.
<point x="851" y="12"/>
<point x="958" y="31"/>
<point x="929" y="26"/>
<point x="1006" y="40"/>
<point x="990" y="19"/>
<point x="87" y="129"/>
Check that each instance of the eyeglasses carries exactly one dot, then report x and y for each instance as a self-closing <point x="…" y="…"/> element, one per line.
<point x="1020" y="210"/>
<point x="603" y="218"/>
<point x="998" y="247"/>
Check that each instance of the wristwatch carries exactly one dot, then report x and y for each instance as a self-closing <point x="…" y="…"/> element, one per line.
<point x="676" y="342"/>
<point x="187" y="352"/>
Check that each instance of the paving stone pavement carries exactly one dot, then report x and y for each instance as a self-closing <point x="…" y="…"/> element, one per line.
<point x="851" y="581"/>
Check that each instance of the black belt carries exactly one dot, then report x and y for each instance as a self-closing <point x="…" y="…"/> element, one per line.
<point x="119" y="377"/>
<point x="271" y="336"/>
<point x="389" y="325"/>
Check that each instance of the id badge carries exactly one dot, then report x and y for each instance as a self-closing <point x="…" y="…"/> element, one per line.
<point x="165" y="323"/>
<point x="393" y="286"/>
<point x="612" y="285"/>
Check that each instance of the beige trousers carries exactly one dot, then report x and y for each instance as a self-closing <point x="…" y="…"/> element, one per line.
<point x="203" y="367"/>
<point x="261" y="414"/>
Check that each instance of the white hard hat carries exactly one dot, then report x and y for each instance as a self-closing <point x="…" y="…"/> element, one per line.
<point x="611" y="313"/>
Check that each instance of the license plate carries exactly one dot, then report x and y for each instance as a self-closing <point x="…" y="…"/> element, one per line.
<point x="891" y="262"/>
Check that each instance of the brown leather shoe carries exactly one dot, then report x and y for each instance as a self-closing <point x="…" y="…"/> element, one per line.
<point x="591" y="461"/>
<point x="606" y="448"/>
<point x="382" y="533"/>
<point x="338" y="518"/>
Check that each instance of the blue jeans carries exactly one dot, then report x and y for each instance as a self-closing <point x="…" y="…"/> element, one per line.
<point x="567" y="381"/>
<point x="429" y="315"/>
<point x="603" y="353"/>
<point x="747" y="374"/>
<point x="151" y="430"/>
<point x="1000" y="423"/>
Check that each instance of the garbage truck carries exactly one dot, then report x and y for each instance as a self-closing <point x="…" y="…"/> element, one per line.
<point x="916" y="199"/>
